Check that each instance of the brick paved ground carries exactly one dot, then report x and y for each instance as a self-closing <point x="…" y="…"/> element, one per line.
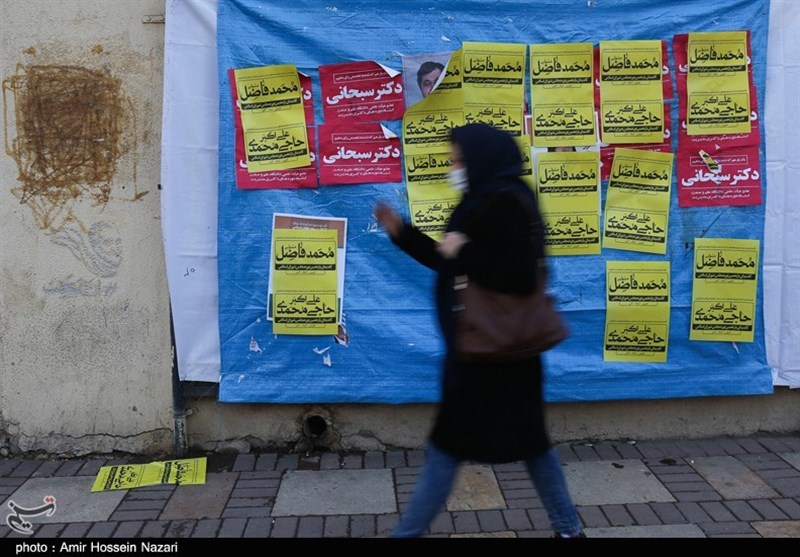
<point x="251" y="483"/>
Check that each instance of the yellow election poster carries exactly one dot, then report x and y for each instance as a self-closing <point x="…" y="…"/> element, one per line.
<point x="494" y="85"/>
<point x="449" y="89"/>
<point x="637" y="311"/>
<point x="637" y="201"/>
<point x="562" y="94"/>
<point x="524" y="144"/>
<point x="428" y="131"/>
<point x="427" y="124"/>
<point x="631" y="93"/>
<point x="568" y="189"/>
<point x="290" y="221"/>
<point x="191" y="471"/>
<point x="304" y="285"/>
<point x="717" y="84"/>
<point x="725" y="277"/>
<point x="431" y="200"/>
<point x="273" y="119"/>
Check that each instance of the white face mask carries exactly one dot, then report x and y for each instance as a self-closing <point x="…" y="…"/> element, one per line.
<point x="458" y="179"/>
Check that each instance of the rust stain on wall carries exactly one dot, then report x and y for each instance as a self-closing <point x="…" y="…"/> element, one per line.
<point x="69" y="131"/>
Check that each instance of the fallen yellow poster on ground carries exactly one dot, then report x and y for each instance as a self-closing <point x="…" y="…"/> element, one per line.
<point x="190" y="471"/>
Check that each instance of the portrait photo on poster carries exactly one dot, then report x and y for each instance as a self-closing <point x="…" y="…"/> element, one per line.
<point x="422" y="73"/>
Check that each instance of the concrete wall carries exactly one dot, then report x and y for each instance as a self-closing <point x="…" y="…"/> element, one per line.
<point x="243" y="427"/>
<point x="84" y="329"/>
<point x="84" y="318"/>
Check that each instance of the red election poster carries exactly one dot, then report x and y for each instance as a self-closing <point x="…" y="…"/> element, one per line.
<point x="361" y="92"/>
<point x="731" y="176"/>
<point x="358" y="154"/>
<point x="716" y="170"/>
<point x="308" y="99"/>
<point x="294" y="178"/>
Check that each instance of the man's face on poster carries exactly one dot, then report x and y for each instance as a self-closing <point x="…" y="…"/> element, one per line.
<point x="428" y="80"/>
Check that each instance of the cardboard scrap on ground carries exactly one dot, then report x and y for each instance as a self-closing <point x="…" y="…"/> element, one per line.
<point x="190" y="471"/>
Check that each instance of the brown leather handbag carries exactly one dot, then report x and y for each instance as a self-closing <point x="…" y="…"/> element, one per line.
<point x="498" y="327"/>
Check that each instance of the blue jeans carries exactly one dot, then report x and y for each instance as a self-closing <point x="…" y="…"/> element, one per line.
<point x="436" y="483"/>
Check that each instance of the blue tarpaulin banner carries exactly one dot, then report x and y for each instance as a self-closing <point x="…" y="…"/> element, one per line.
<point x="393" y="351"/>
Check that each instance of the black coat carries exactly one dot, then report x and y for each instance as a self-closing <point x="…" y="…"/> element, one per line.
<point x="488" y="412"/>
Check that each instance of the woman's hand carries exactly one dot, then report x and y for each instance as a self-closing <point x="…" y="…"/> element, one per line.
<point x="451" y="244"/>
<point x="388" y="218"/>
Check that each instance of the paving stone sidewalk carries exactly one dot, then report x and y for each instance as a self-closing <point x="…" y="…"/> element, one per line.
<point x="746" y="487"/>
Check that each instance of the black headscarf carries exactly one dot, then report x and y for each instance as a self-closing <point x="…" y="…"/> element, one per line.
<point x="493" y="162"/>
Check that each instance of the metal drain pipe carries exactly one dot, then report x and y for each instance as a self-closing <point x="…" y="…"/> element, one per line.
<point x="180" y="442"/>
